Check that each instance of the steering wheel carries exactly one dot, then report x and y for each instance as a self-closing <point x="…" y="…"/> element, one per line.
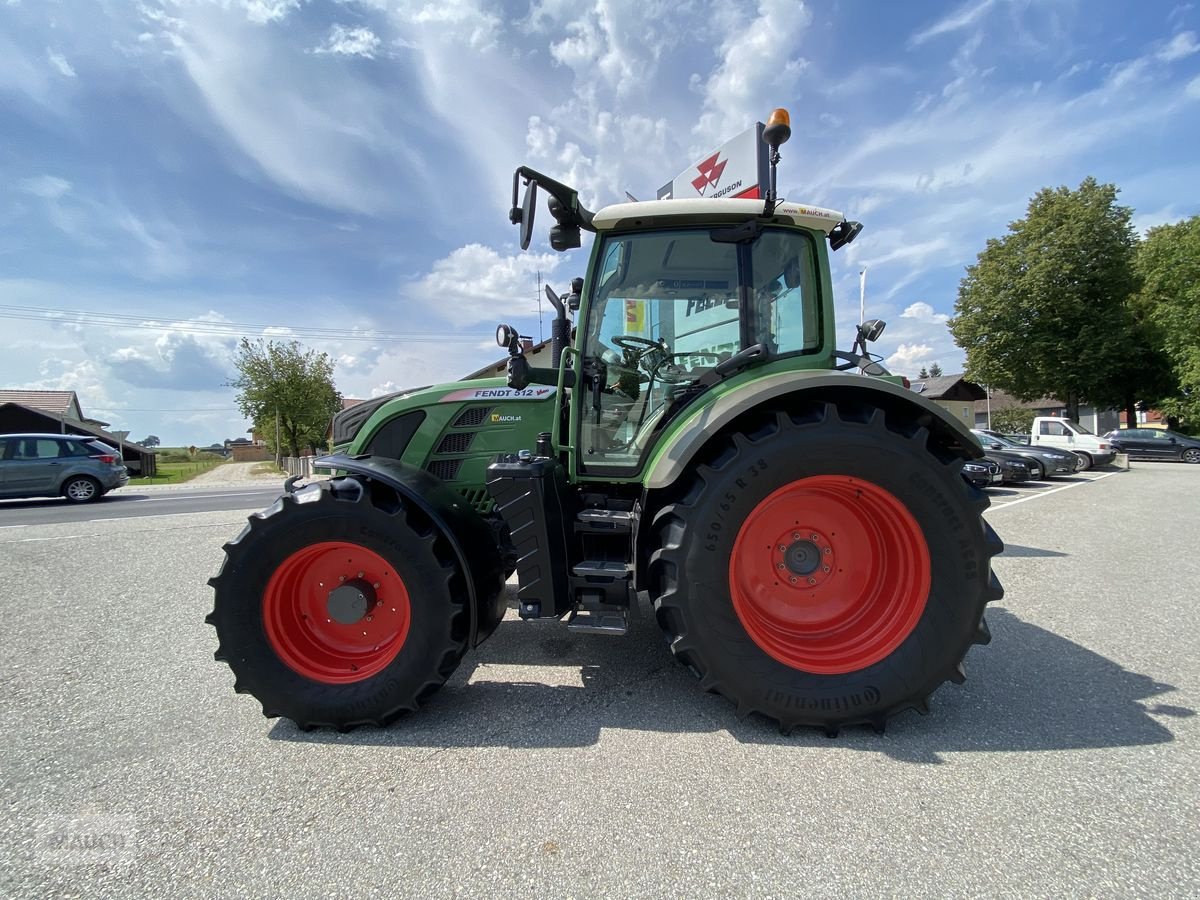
<point x="663" y="372"/>
<point x="633" y="342"/>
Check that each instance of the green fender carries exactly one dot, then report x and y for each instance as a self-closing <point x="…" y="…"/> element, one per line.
<point x="687" y="436"/>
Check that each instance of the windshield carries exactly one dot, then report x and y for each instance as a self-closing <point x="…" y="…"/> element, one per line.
<point x="1075" y="427"/>
<point x="668" y="307"/>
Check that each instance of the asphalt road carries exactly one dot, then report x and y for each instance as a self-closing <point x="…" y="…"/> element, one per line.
<point x="560" y="765"/>
<point x="132" y="503"/>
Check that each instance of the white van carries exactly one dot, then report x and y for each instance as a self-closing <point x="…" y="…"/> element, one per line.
<point x="1051" y="431"/>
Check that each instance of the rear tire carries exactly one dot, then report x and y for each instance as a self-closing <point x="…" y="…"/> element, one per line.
<point x="82" y="489"/>
<point x="827" y="644"/>
<point x="1191" y="455"/>
<point x="340" y="606"/>
<point x="1085" y="461"/>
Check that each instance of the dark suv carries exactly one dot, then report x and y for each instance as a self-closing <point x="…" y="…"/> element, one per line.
<point x="77" y="467"/>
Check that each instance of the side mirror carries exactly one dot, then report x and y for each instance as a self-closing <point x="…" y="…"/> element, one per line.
<point x="528" y="207"/>
<point x="575" y="297"/>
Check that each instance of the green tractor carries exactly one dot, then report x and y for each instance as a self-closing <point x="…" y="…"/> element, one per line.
<point x="795" y="514"/>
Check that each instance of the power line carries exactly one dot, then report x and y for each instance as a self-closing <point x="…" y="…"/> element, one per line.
<point x="229" y="329"/>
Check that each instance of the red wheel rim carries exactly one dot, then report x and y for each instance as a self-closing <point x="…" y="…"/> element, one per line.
<point x="829" y="574"/>
<point x="336" y="612"/>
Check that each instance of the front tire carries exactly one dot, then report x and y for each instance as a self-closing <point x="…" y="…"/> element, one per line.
<point x="1191" y="455"/>
<point x="826" y="568"/>
<point x="340" y="606"/>
<point x="1085" y="461"/>
<point x="1037" y="472"/>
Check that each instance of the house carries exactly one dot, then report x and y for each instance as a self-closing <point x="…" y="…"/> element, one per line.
<point x="954" y="394"/>
<point x="1098" y="421"/>
<point x="58" y="412"/>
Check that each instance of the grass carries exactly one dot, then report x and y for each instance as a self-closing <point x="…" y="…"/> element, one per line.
<point x="178" y="472"/>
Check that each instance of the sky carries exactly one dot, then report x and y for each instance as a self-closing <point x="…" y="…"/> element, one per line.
<point x="178" y="174"/>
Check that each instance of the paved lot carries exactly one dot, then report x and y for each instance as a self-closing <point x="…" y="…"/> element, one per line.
<point x="555" y="765"/>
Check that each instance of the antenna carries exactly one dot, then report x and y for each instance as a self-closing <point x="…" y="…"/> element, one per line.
<point x="862" y="295"/>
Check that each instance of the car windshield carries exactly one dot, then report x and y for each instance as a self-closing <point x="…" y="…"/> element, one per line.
<point x="984" y="436"/>
<point x="1076" y="427"/>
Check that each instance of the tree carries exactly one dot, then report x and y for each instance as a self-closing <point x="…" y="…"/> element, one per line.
<point x="924" y="373"/>
<point x="1168" y="261"/>
<point x="1044" y="311"/>
<point x="1013" y="420"/>
<point x="151" y="440"/>
<point x="282" y="383"/>
<point x="935" y="371"/>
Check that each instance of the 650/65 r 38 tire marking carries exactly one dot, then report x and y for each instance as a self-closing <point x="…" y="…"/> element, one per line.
<point x="829" y="574"/>
<point x="336" y="612"/>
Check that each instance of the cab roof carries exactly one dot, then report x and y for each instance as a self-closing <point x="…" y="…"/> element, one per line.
<point x="642" y="212"/>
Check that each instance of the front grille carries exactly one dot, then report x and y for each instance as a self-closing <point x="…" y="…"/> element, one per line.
<point x="445" y="469"/>
<point x="472" y="417"/>
<point x="456" y="442"/>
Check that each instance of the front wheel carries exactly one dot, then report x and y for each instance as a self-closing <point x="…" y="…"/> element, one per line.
<point x="826" y="568"/>
<point x="1085" y="461"/>
<point x="339" y="606"/>
<point x="1191" y="455"/>
<point x="1037" y="471"/>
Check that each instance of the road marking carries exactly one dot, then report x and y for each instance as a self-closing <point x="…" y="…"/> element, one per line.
<point x="68" y="537"/>
<point x="1065" y="487"/>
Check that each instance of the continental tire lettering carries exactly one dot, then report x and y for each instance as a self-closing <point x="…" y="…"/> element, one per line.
<point x="868" y="696"/>
<point x="966" y="546"/>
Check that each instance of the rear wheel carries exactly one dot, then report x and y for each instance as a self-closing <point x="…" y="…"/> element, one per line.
<point x="1191" y="455"/>
<point x="82" y="489"/>
<point x="827" y="568"/>
<point x="1085" y="461"/>
<point x="339" y="606"/>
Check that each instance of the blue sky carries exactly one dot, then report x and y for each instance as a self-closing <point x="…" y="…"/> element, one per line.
<point x="175" y="174"/>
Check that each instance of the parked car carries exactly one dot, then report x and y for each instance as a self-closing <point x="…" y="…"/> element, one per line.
<point x="1065" y="434"/>
<point x="1012" y="468"/>
<point x="982" y="472"/>
<point x="1044" y="462"/>
<point x="77" y="467"/>
<point x="1155" y="443"/>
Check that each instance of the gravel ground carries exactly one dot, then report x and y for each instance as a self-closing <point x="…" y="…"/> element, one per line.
<point x="227" y="474"/>
<point x="555" y="765"/>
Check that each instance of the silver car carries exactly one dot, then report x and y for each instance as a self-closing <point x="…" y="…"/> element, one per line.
<point x="1044" y="462"/>
<point x="78" y="467"/>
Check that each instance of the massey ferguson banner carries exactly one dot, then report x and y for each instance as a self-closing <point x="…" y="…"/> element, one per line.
<point x="737" y="169"/>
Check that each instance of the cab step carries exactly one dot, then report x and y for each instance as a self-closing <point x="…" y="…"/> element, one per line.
<point x="599" y="618"/>
<point x="604" y="521"/>
<point x="609" y="570"/>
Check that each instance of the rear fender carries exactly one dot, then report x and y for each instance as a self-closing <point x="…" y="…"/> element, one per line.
<point x="463" y="528"/>
<point x="674" y="455"/>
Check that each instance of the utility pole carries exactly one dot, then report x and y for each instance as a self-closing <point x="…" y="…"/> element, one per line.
<point x="862" y="296"/>
<point x="539" y="300"/>
<point x="278" y="447"/>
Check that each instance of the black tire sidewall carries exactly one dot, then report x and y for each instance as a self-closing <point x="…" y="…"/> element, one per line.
<point x="933" y="493"/>
<point x="240" y="626"/>
<point x="66" y="489"/>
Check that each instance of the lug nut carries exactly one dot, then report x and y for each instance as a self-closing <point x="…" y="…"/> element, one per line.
<point x="782" y="548"/>
<point x="792" y="579"/>
<point x="341" y="578"/>
<point x="816" y="537"/>
<point x="779" y="565"/>
<point x="795" y="535"/>
<point x="360" y="574"/>
<point x="370" y="618"/>
<point x="375" y="585"/>
<point x="827" y="550"/>
<point x="811" y="580"/>
<point x="825" y="569"/>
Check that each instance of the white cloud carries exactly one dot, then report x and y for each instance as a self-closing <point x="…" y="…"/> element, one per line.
<point x="923" y="312"/>
<point x="908" y="358"/>
<point x="1181" y="46"/>
<point x="476" y="284"/>
<point x="48" y="187"/>
<point x="345" y="41"/>
<point x="60" y="63"/>
<point x="1193" y="88"/>
<point x="963" y="17"/>
<point x="756" y="63"/>
<point x="263" y="12"/>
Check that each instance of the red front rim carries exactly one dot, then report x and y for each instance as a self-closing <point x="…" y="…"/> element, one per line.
<point x="336" y="612"/>
<point x="829" y="574"/>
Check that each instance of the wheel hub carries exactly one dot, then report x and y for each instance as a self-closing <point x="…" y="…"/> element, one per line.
<point x="349" y="603"/>
<point x="802" y="557"/>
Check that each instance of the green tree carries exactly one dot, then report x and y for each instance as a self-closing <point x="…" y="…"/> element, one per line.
<point x="1168" y="261"/>
<point x="150" y="440"/>
<point x="924" y="373"/>
<point x="1045" y="309"/>
<point x="281" y="382"/>
<point x="1013" y="420"/>
<point x="935" y="371"/>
